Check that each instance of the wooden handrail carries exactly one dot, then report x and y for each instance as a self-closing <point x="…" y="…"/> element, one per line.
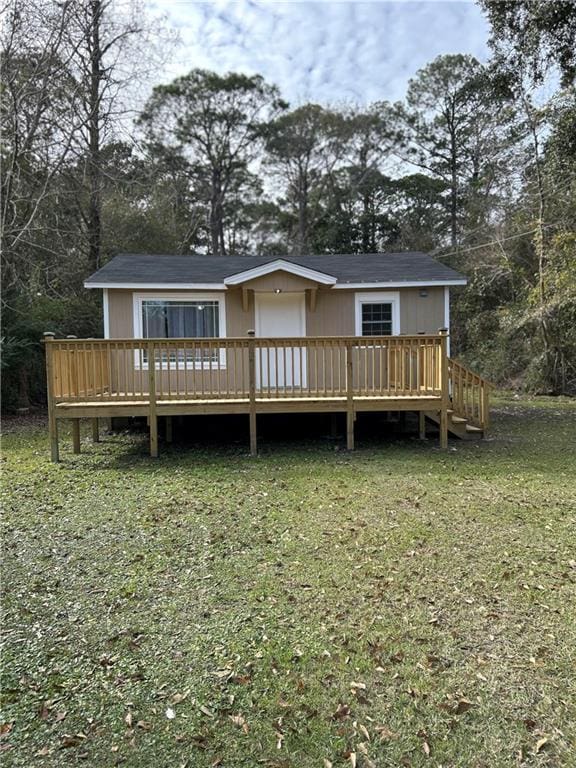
<point x="249" y="368"/>
<point x="470" y="394"/>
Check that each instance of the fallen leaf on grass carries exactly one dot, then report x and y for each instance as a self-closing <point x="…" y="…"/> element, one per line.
<point x="385" y="733"/>
<point x="240" y="722"/>
<point x="170" y="714"/>
<point x="144" y="725"/>
<point x="463" y="706"/>
<point x="342" y="711"/>
<point x="5" y="729"/>
<point x="541" y="743"/>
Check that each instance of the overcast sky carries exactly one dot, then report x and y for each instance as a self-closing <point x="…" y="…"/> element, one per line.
<point x="325" y="51"/>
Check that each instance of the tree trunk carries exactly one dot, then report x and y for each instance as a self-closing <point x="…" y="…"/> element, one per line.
<point x="302" y="236"/>
<point x="94" y="173"/>
<point x="453" y="191"/>
<point x="216" y="216"/>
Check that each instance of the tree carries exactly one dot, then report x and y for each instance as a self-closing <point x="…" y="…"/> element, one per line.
<point x="456" y="129"/>
<point x="37" y="95"/>
<point x="303" y="148"/>
<point x="534" y="35"/>
<point x="215" y="122"/>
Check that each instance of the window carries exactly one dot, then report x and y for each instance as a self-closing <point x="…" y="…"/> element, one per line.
<point x="376" y="319"/>
<point x="170" y="319"/>
<point x="174" y="316"/>
<point x="378" y="313"/>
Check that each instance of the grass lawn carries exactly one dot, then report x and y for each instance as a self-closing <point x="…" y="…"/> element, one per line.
<point x="397" y="606"/>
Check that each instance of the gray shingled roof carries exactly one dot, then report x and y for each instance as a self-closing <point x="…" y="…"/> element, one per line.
<point x="135" y="269"/>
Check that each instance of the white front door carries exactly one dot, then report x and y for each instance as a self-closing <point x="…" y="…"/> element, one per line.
<point x="280" y="315"/>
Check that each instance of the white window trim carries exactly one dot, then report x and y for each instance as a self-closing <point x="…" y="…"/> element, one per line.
<point x="138" y="298"/>
<point x="377" y="297"/>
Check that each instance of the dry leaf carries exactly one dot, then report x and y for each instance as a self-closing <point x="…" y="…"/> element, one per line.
<point x="541" y="743"/>
<point x="364" y="730"/>
<point x="206" y="711"/>
<point x="144" y="725"/>
<point x="342" y="711"/>
<point x="352" y="757"/>
<point x="60" y="716"/>
<point x="426" y="748"/>
<point x="170" y="714"/>
<point x="327" y="763"/>
<point x="463" y="706"/>
<point x="5" y="729"/>
<point x="128" y="719"/>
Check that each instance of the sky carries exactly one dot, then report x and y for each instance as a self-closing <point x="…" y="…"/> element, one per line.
<point x="327" y="51"/>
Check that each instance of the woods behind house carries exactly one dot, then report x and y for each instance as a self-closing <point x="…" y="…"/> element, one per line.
<point x="477" y="165"/>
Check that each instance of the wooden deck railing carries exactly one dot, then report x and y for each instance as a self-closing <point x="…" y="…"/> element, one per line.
<point x="470" y="394"/>
<point x="106" y="377"/>
<point x="117" y="370"/>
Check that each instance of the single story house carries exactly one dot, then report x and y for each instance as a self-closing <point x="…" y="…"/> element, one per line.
<point x="342" y="294"/>
<point x="259" y="334"/>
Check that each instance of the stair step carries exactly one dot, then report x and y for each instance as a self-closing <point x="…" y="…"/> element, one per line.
<point x="459" y="420"/>
<point x="470" y="428"/>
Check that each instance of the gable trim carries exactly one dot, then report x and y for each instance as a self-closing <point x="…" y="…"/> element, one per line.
<point x="283" y="266"/>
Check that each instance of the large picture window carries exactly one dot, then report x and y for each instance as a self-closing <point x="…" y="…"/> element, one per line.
<point x="181" y="317"/>
<point x="378" y="313"/>
<point x="173" y="319"/>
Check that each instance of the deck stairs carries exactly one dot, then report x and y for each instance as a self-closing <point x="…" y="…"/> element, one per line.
<point x="469" y="411"/>
<point x="458" y="426"/>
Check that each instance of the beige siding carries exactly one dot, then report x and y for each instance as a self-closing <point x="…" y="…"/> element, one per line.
<point x="420" y="314"/>
<point x="333" y="316"/>
<point x="280" y="280"/>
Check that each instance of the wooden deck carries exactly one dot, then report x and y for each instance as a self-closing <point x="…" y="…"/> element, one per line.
<point x="94" y="378"/>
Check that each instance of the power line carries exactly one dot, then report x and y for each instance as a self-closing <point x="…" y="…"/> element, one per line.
<point x="495" y="242"/>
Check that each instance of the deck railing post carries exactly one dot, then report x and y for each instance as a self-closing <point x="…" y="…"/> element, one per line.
<point x="252" y="391"/>
<point x="444" y="388"/>
<point x="349" y="398"/>
<point x="52" y="421"/>
<point x="153" y="418"/>
<point x="485" y="390"/>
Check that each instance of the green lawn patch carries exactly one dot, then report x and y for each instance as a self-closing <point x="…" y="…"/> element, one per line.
<point x="397" y="606"/>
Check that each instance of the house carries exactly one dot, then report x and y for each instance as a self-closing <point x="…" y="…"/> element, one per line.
<point x="257" y="334"/>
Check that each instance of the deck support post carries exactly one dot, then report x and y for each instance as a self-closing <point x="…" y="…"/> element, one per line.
<point x="485" y="394"/>
<point x="76" y="435"/>
<point x="421" y="425"/>
<point x="52" y="420"/>
<point x="169" y="429"/>
<point x="444" y="387"/>
<point x="252" y="391"/>
<point x="350" y="415"/>
<point x="95" y="430"/>
<point x="153" y="418"/>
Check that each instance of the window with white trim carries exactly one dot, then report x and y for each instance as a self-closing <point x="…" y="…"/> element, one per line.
<point x="176" y="318"/>
<point x="185" y="317"/>
<point x="378" y="313"/>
